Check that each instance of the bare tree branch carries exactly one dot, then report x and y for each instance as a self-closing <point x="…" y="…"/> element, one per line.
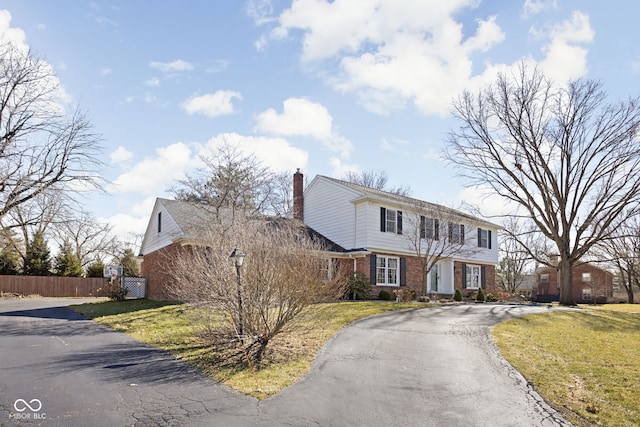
<point x="570" y="159"/>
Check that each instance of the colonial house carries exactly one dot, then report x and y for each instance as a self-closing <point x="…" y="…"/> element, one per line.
<point x="590" y="284"/>
<point x="387" y="237"/>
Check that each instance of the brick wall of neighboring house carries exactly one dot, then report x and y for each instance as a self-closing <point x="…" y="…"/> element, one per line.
<point x="601" y="284"/>
<point x="156" y="267"/>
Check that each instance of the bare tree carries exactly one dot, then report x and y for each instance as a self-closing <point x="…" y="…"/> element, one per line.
<point x="435" y="233"/>
<point x="510" y="272"/>
<point x="375" y="179"/>
<point x="90" y="238"/>
<point x="236" y="183"/>
<point x="41" y="148"/>
<point x="566" y="156"/>
<point x="280" y="276"/>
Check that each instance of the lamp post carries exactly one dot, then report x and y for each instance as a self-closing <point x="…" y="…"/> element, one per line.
<point x="238" y="258"/>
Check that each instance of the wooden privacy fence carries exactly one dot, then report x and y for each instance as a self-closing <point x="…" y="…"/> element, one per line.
<point x="53" y="286"/>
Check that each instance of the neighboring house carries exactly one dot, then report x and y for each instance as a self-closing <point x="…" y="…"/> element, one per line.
<point x="378" y="231"/>
<point x="590" y="284"/>
<point x="368" y="230"/>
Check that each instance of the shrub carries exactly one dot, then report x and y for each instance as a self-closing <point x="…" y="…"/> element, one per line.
<point x="480" y="297"/>
<point x="457" y="296"/>
<point x="384" y="295"/>
<point x="405" y="295"/>
<point x="115" y="292"/>
<point x="358" y="287"/>
<point x="491" y="297"/>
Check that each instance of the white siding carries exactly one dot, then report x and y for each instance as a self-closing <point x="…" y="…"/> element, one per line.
<point x="154" y="240"/>
<point x="343" y="215"/>
<point x="329" y="210"/>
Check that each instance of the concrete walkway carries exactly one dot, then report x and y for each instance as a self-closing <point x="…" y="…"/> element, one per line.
<point x="427" y="367"/>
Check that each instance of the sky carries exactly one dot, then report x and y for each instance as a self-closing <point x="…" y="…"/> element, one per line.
<point x="327" y="87"/>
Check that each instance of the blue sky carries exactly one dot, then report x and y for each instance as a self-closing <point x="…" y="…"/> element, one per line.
<point x="323" y="86"/>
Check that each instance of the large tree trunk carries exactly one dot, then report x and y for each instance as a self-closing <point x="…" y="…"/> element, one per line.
<point x="566" y="283"/>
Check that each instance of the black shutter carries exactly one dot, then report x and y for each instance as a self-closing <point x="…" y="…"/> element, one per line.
<point x="399" y="217"/>
<point x="403" y="272"/>
<point x="483" y="280"/>
<point x="462" y="234"/>
<point x="489" y="239"/>
<point x="436" y="229"/>
<point x="450" y="232"/>
<point x="479" y="237"/>
<point x="383" y="219"/>
<point x="372" y="269"/>
<point x="423" y="222"/>
<point x="464" y="276"/>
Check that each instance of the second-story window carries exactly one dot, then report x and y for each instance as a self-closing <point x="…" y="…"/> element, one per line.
<point x="390" y="221"/>
<point x="456" y="233"/>
<point x="484" y="238"/>
<point x="429" y="228"/>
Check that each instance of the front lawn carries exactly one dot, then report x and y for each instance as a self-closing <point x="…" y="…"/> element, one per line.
<point x="585" y="362"/>
<point x="176" y="329"/>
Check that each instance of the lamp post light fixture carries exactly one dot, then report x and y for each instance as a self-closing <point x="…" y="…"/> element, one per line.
<point x="238" y="258"/>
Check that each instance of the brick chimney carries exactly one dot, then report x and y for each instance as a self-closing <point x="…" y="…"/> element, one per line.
<point x="298" y="198"/>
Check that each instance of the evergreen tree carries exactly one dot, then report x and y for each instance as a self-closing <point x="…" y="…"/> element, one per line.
<point x="9" y="260"/>
<point x="129" y="264"/>
<point x="67" y="262"/>
<point x="38" y="257"/>
<point x="96" y="268"/>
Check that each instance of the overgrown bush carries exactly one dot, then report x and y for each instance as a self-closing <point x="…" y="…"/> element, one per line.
<point x="384" y="295"/>
<point x="480" y="297"/>
<point x="457" y="295"/>
<point x="405" y="295"/>
<point x="358" y="287"/>
<point x="114" y="291"/>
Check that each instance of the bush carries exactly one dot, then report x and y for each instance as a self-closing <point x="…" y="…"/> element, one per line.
<point x="384" y="295"/>
<point x="358" y="287"/>
<point x="457" y="296"/>
<point x="115" y="292"/>
<point x="405" y="295"/>
<point x="480" y="297"/>
<point x="491" y="297"/>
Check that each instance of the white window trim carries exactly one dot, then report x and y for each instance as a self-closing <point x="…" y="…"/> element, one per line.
<point x="386" y="270"/>
<point x="469" y="283"/>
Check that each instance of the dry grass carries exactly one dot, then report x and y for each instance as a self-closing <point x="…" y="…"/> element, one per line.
<point x="183" y="332"/>
<point x="585" y="362"/>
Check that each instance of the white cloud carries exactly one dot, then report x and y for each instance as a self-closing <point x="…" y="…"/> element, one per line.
<point x="488" y="202"/>
<point x="171" y="67"/>
<point x="153" y="175"/>
<point x="121" y="155"/>
<point x="212" y="104"/>
<point x="276" y="153"/>
<point x="124" y="225"/>
<point x="394" y="54"/>
<point x="301" y="117"/>
<point x="340" y="169"/>
<point x="152" y="82"/>
<point x="533" y="7"/>
<point x="105" y="71"/>
<point x="565" y="58"/>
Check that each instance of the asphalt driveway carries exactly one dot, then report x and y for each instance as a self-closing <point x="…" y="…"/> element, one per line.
<point x="428" y="367"/>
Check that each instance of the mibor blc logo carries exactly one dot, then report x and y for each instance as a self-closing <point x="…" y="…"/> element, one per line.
<point x="28" y="410"/>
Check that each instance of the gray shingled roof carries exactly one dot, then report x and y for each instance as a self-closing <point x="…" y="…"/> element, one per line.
<point x="192" y="219"/>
